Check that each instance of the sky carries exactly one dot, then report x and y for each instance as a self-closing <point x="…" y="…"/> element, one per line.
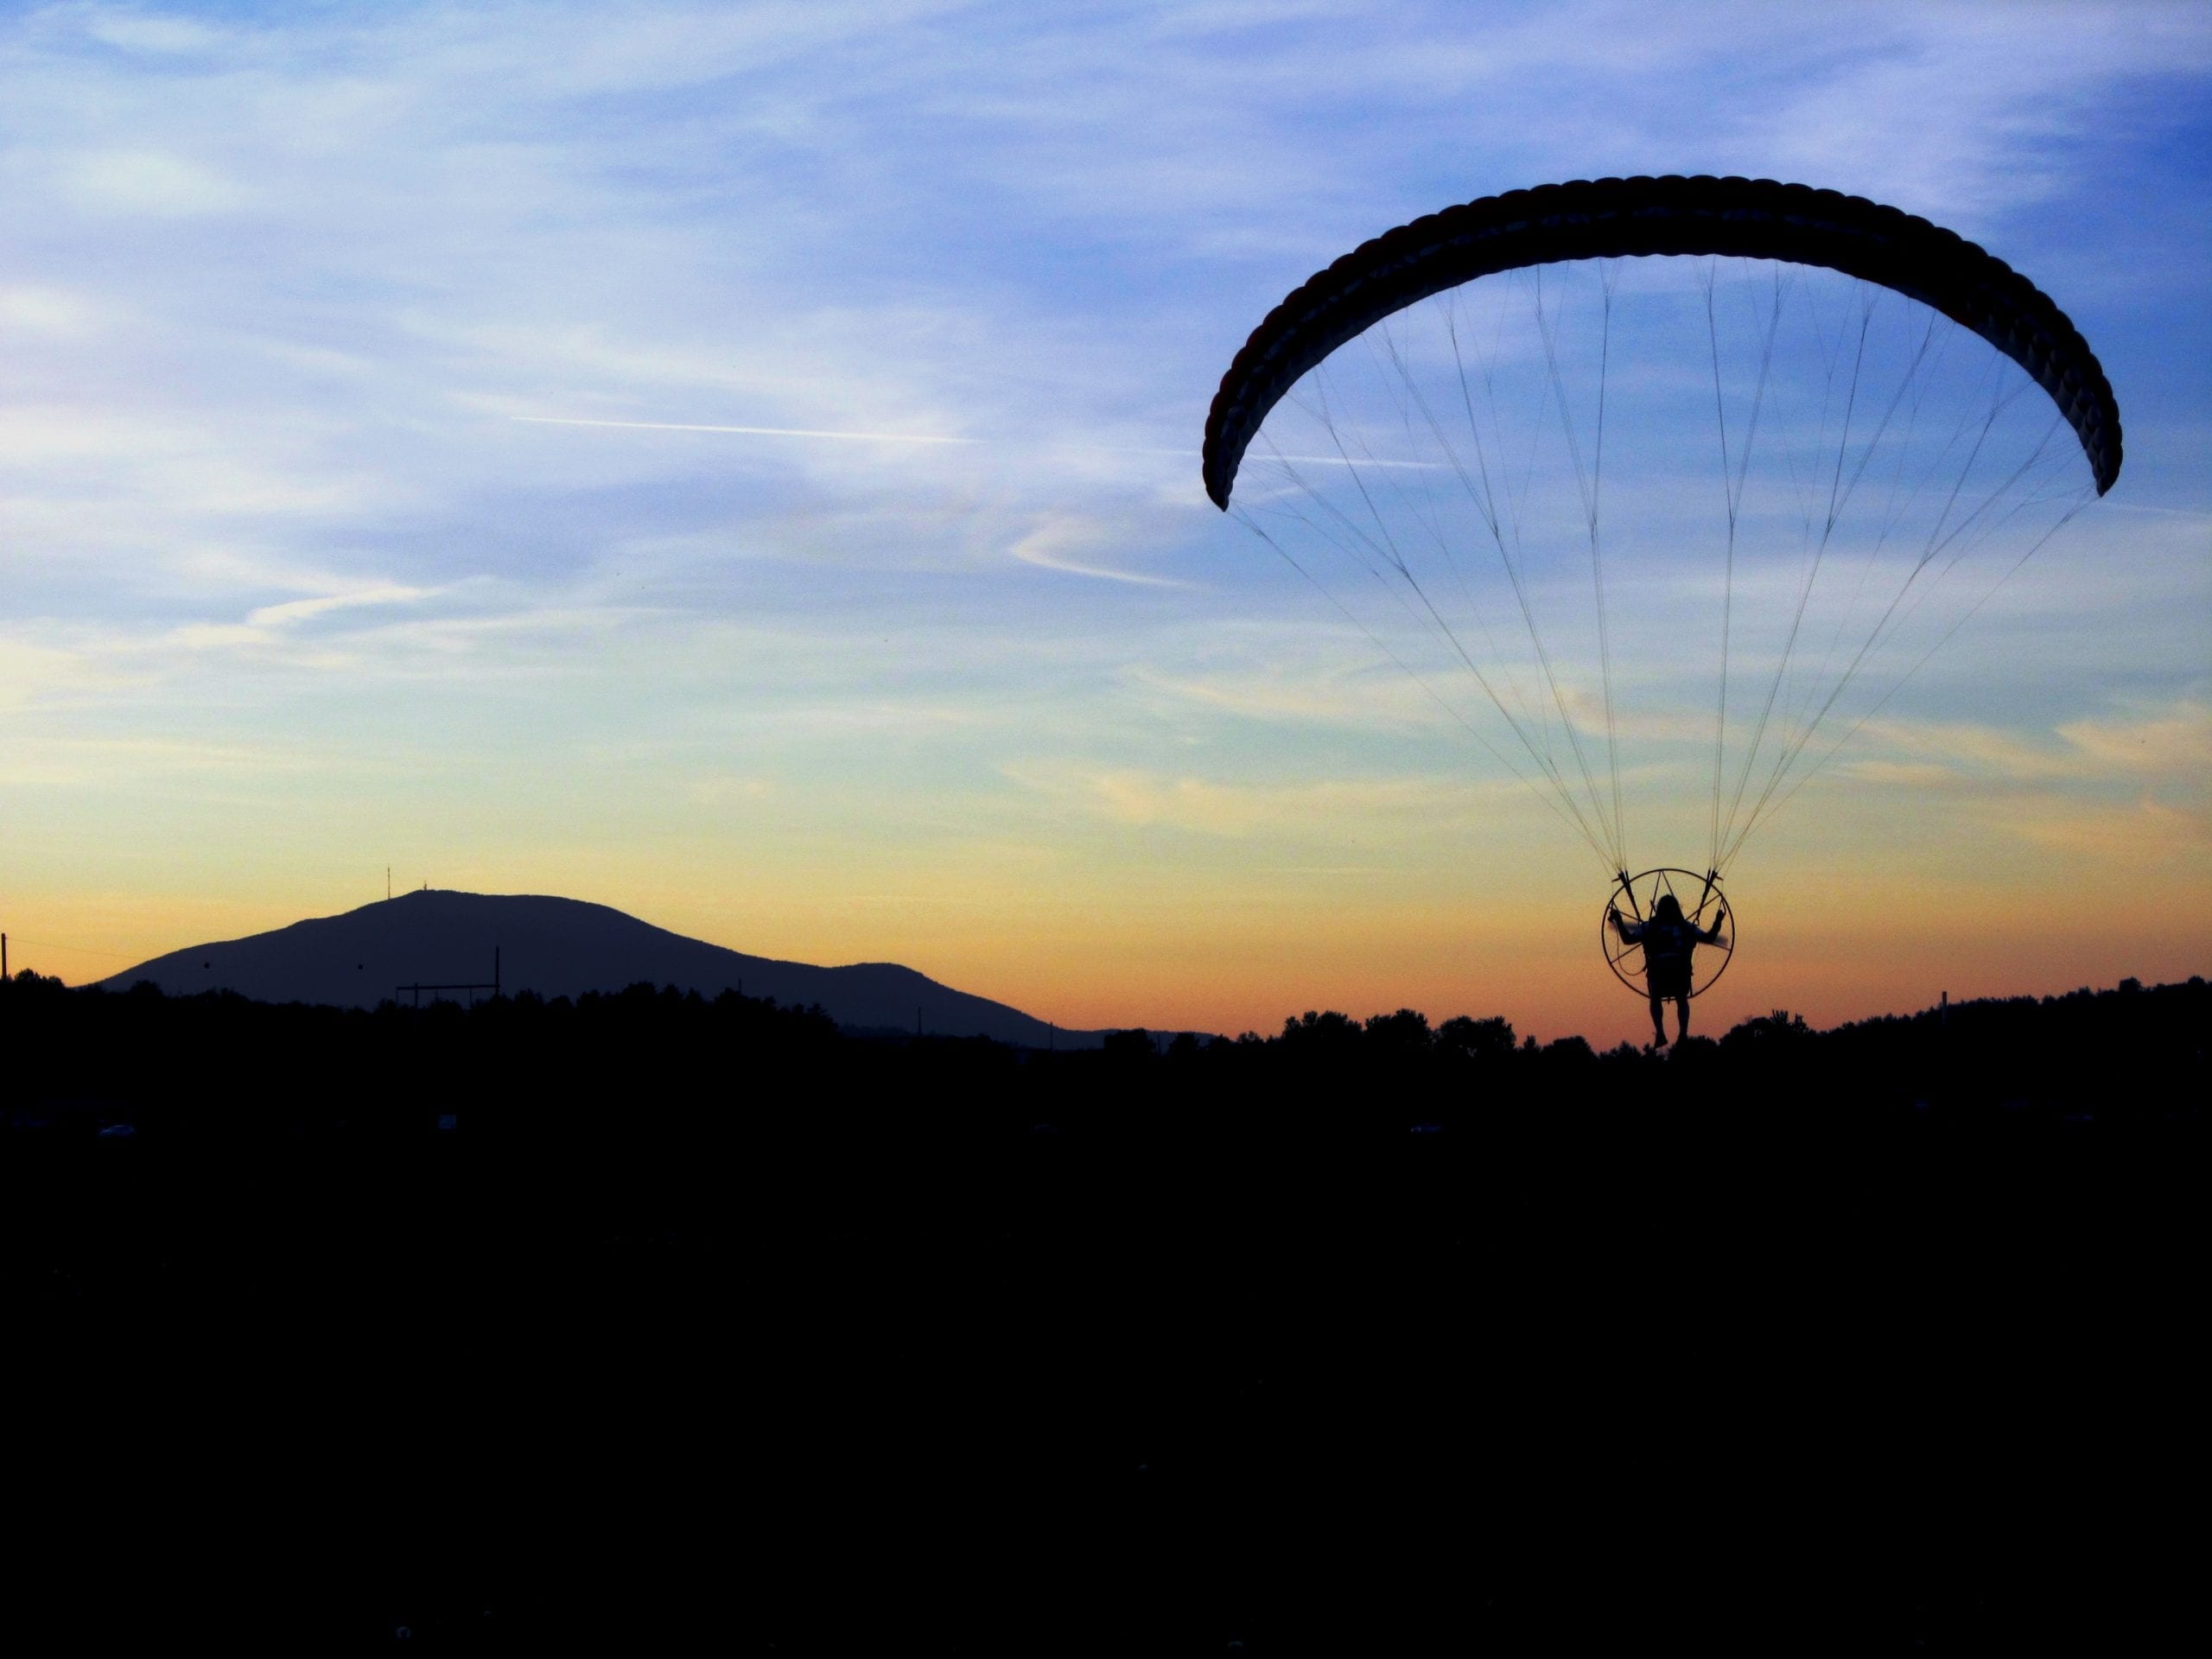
<point x="738" y="464"/>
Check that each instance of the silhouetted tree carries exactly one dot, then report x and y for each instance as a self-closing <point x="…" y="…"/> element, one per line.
<point x="1398" y="1037"/>
<point x="1326" y="1035"/>
<point x="1488" y="1038"/>
<point x="1133" y="1044"/>
<point x="1569" y="1052"/>
<point x="1764" y="1033"/>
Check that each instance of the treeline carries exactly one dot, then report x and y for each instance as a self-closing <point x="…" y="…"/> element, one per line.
<point x="2132" y="1054"/>
<point x="650" y="1061"/>
<point x="216" y="1065"/>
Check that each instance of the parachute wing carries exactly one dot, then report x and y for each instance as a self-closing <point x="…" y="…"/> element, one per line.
<point x="1612" y="218"/>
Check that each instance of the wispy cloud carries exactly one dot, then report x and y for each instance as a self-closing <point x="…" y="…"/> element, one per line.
<point x="1326" y="810"/>
<point x="150" y="184"/>
<point x="111" y="763"/>
<point x="2142" y="831"/>
<point x="748" y="431"/>
<point x="2135" y="787"/>
<point x="2174" y="743"/>
<point x="302" y="610"/>
<point x="1349" y="695"/>
<point x="50" y="311"/>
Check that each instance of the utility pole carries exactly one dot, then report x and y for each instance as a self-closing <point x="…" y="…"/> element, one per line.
<point x="387" y="884"/>
<point x="4" y="956"/>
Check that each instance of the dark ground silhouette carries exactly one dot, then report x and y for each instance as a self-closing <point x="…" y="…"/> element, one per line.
<point x="706" y="1322"/>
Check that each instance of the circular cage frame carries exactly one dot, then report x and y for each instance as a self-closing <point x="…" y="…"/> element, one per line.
<point x="1618" y="950"/>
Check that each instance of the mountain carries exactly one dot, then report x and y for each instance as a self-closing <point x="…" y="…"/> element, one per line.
<point x="558" y="947"/>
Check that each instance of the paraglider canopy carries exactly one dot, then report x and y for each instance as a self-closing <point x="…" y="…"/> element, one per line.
<point x="1612" y="218"/>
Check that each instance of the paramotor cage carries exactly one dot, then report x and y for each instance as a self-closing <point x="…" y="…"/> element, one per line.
<point x="1634" y="899"/>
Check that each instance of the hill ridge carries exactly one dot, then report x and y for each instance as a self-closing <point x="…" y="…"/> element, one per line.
<point x="559" y="946"/>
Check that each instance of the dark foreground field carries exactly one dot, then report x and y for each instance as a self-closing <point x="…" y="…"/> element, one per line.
<point x="711" y="1328"/>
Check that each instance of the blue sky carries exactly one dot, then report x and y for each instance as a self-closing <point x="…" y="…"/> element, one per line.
<point x="311" y="561"/>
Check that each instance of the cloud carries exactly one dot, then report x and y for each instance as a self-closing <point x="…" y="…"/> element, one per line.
<point x="749" y="431"/>
<point x="111" y="762"/>
<point x="727" y="790"/>
<point x="2132" y="787"/>
<point x="1330" y="810"/>
<point x="31" y="672"/>
<point x="136" y="32"/>
<point x="2176" y="742"/>
<point x="1921" y="776"/>
<point x="2147" y="829"/>
<point x="1349" y="695"/>
<point x="270" y="625"/>
<point x="2173" y="743"/>
<point x="151" y="184"/>
<point x="50" y="311"/>
<point x="301" y="610"/>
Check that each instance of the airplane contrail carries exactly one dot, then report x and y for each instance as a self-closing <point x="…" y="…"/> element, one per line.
<point x="2163" y="512"/>
<point x="1046" y="562"/>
